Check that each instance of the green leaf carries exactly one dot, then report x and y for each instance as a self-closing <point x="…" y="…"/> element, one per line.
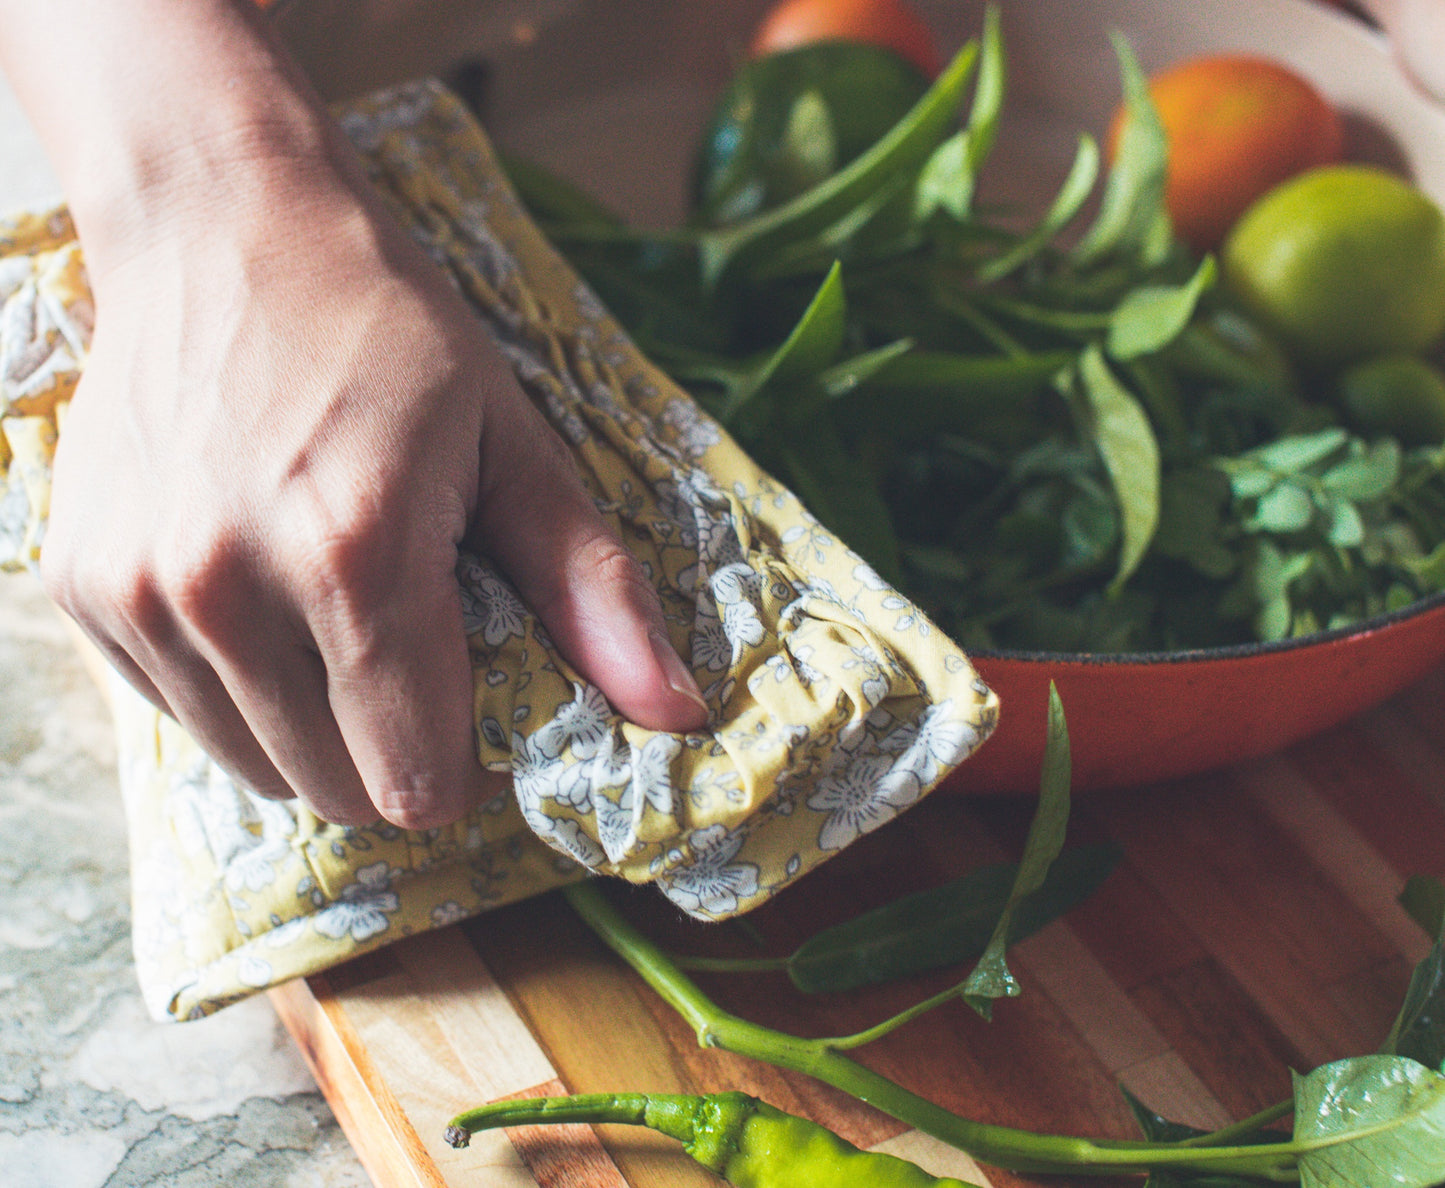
<point x="1066" y="204"/>
<point x="946" y="182"/>
<point x="1429" y="569"/>
<point x="1152" y="316"/>
<point x="1294" y="454"/>
<point x="848" y="375"/>
<point x="1283" y="508"/>
<point x="1419" y="1029"/>
<point x="1159" y="1129"/>
<point x="947" y="925"/>
<point x="988" y="94"/>
<point x="811" y="345"/>
<point x="1132" y="208"/>
<point x="1368" y="472"/>
<point x="1248" y="479"/>
<point x="992" y="978"/>
<point x="929" y="392"/>
<point x="1424" y="898"/>
<point x="1347" y="529"/>
<point x="1370" y="1121"/>
<point x="903" y="149"/>
<point x="1224" y="349"/>
<point x="949" y="179"/>
<point x="1125" y="440"/>
<point x="786" y="121"/>
<point x="1190" y="521"/>
<point x="1154" y="1126"/>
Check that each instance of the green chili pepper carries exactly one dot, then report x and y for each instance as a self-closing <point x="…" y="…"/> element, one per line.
<point x="746" y="1141"/>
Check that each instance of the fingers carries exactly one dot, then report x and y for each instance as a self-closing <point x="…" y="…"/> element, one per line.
<point x="400" y="690"/>
<point x="362" y="695"/>
<point x="375" y="724"/>
<point x="536" y="520"/>
<point x="133" y="627"/>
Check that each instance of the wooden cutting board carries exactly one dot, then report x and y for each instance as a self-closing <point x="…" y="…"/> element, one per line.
<point x="1251" y="928"/>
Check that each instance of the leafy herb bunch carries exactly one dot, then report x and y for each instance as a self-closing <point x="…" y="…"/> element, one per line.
<point x="1058" y="435"/>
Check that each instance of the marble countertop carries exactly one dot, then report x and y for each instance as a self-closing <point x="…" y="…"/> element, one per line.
<point x="93" y="1094"/>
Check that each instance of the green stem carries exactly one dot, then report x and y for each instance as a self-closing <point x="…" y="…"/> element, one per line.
<point x="1246" y="1126"/>
<point x="1003" y="1146"/>
<point x="878" y="1031"/>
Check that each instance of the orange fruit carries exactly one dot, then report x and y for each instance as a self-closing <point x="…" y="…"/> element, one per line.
<point x="1237" y="126"/>
<point x="891" y="24"/>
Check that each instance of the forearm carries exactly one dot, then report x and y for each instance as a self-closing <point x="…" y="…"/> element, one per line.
<point x="155" y="110"/>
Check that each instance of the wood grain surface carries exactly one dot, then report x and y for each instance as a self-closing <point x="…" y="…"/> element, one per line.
<point x="1251" y="928"/>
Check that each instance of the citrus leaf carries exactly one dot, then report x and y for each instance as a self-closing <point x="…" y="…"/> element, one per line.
<point x="905" y="147"/>
<point x="812" y="344"/>
<point x="1133" y="203"/>
<point x="1424" y="899"/>
<point x="1152" y="316"/>
<point x="943" y="926"/>
<point x="991" y="977"/>
<point x="1077" y="187"/>
<point x="1419" y="1029"/>
<point x="946" y="181"/>
<point x="1370" y="1121"/>
<point x="1125" y="440"/>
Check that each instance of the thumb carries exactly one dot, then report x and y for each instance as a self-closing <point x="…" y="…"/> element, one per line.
<point x="536" y="520"/>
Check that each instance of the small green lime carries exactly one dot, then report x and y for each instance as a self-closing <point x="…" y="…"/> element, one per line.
<point x="1401" y="395"/>
<point x="1343" y="262"/>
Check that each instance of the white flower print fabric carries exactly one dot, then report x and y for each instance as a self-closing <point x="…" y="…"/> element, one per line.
<point x="834" y="705"/>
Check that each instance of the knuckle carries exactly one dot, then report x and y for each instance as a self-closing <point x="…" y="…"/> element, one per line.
<point x="347" y="562"/>
<point x="605" y="560"/>
<point x="600" y="568"/>
<point x="106" y="595"/>
<point x="199" y="577"/>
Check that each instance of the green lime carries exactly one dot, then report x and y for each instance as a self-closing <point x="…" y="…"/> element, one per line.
<point x="1343" y="262"/>
<point x="1400" y="395"/>
<point x="789" y="120"/>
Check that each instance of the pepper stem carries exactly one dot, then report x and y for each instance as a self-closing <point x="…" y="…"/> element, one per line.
<point x="671" y="1114"/>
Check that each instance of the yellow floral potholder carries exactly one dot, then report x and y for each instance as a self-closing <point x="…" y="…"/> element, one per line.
<point x="835" y="704"/>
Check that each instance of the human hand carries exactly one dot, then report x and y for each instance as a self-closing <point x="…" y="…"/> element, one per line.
<point x="288" y="424"/>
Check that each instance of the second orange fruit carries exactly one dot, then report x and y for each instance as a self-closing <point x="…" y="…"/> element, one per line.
<point x="892" y="24"/>
<point x="1237" y="125"/>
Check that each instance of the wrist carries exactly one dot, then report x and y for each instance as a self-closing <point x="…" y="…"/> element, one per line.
<point x="166" y="115"/>
<point x="240" y="177"/>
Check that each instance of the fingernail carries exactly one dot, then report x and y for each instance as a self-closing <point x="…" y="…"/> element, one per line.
<point x="679" y="679"/>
